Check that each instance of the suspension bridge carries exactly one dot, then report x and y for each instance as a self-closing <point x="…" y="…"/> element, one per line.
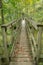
<point x="27" y="46"/>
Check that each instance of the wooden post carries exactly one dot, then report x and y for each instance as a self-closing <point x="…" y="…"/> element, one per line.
<point x="39" y="36"/>
<point x="0" y="61"/>
<point x="4" y="30"/>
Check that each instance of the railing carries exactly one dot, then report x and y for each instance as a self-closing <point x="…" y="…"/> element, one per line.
<point x="34" y="32"/>
<point x="30" y="29"/>
<point x="40" y="41"/>
<point x="11" y="30"/>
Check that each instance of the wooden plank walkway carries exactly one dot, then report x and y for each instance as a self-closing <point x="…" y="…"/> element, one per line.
<point x="21" y="55"/>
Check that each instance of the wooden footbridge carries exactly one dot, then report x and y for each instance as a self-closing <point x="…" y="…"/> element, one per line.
<point x="26" y="47"/>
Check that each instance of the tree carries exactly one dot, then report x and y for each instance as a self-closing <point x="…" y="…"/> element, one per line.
<point x="2" y="16"/>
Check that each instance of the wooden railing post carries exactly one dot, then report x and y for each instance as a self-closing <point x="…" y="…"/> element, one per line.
<point x="5" y="44"/>
<point x="0" y="61"/>
<point x="39" y="36"/>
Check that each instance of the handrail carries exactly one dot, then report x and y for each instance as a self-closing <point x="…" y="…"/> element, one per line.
<point x="35" y="44"/>
<point x="32" y="48"/>
<point x="14" y="44"/>
<point x="10" y="23"/>
<point x="16" y="24"/>
<point x="39" y="25"/>
<point x="32" y="22"/>
<point x="33" y="39"/>
<point x="35" y="25"/>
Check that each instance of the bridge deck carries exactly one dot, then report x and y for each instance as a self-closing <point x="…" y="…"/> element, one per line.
<point x="21" y="55"/>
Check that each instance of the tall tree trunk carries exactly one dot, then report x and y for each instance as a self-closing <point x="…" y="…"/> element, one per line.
<point x="1" y="6"/>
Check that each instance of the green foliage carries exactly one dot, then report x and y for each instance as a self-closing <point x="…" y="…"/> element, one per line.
<point x="13" y="8"/>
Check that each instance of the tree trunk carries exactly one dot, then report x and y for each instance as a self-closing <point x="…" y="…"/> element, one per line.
<point x="1" y="6"/>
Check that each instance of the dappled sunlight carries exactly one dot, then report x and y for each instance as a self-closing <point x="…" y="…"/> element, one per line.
<point x="23" y="23"/>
